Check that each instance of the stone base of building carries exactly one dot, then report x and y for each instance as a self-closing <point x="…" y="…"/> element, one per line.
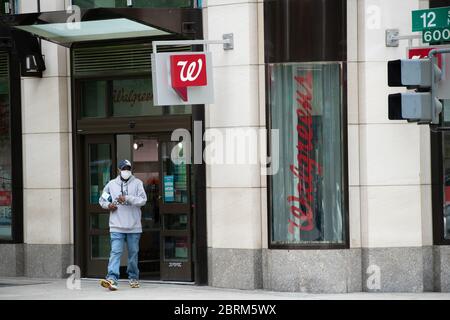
<point x="235" y="268"/>
<point x="406" y="269"/>
<point x="313" y="271"/>
<point x="35" y="260"/>
<point x="11" y="262"/>
<point x="441" y="264"/>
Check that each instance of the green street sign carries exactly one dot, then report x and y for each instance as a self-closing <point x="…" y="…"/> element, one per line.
<point x="436" y="35"/>
<point x="436" y="18"/>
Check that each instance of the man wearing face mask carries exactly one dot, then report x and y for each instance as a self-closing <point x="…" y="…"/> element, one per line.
<point x="123" y="197"/>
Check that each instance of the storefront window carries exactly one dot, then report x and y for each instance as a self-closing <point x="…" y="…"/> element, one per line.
<point x="115" y="81"/>
<point x="136" y="3"/>
<point x="134" y="97"/>
<point x="125" y="98"/>
<point x="5" y="163"/>
<point x="94" y="99"/>
<point x="307" y="206"/>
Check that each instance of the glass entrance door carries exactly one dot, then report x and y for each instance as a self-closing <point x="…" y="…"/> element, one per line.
<point x="175" y="210"/>
<point x="145" y="159"/>
<point x="101" y="164"/>
<point x="165" y="246"/>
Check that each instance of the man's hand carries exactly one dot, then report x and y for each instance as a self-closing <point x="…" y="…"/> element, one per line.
<point x="121" y="199"/>
<point x="112" y="207"/>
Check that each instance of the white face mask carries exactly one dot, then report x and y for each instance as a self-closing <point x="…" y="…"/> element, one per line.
<point x="125" y="174"/>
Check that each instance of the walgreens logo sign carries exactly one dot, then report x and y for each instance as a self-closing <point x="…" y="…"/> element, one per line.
<point x="187" y="71"/>
<point x="182" y="78"/>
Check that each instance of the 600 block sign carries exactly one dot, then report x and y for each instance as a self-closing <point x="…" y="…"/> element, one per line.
<point x="436" y="35"/>
<point x="227" y="309"/>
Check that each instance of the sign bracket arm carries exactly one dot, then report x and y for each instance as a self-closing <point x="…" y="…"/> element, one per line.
<point x="227" y="42"/>
<point x="393" y="38"/>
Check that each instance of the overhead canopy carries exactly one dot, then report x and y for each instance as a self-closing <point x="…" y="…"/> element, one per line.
<point x="65" y="28"/>
<point x="67" y="33"/>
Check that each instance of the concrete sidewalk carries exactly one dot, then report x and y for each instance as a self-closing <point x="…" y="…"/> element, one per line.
<point x="31" y="289"/>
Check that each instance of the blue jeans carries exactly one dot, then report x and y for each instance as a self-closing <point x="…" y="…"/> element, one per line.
<point x="117" y="242"/>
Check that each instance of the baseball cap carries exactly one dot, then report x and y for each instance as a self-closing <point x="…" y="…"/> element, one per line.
<point x="124" y="163"/>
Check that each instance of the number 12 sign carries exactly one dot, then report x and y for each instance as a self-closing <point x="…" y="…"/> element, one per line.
<point x="437" y="18"/>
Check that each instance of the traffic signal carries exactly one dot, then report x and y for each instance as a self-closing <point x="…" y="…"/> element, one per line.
<point x="420" y="103"/>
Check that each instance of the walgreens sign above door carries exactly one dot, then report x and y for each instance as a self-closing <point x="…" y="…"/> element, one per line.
<point x="187" y="71"/>
<point x="182" y="78"/>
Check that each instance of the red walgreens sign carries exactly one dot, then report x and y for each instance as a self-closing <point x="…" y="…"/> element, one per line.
<point x="187" y="71"/>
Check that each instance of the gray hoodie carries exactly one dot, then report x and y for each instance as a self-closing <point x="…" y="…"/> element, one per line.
<point x="127" y="217"/>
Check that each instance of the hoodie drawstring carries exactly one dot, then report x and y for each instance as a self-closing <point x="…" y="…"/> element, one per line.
<point x="121" y="189"/>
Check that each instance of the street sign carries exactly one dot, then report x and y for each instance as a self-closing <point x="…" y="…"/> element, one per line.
<point x="436" y="18"/>
<point x="436" y="35"/>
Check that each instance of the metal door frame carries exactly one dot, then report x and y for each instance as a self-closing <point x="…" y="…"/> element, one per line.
<point x="94" y="268"/>
<point x="175" y="270"/>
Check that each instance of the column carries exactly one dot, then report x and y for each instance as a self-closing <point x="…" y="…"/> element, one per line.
<point x="394" y="165"/>
<point x="235" y="192"/>
<point x="46" y="156"/>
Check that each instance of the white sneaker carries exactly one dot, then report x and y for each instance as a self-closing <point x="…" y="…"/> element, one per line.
<point x="109" y="284"/>
<point x="134" y="283"/>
